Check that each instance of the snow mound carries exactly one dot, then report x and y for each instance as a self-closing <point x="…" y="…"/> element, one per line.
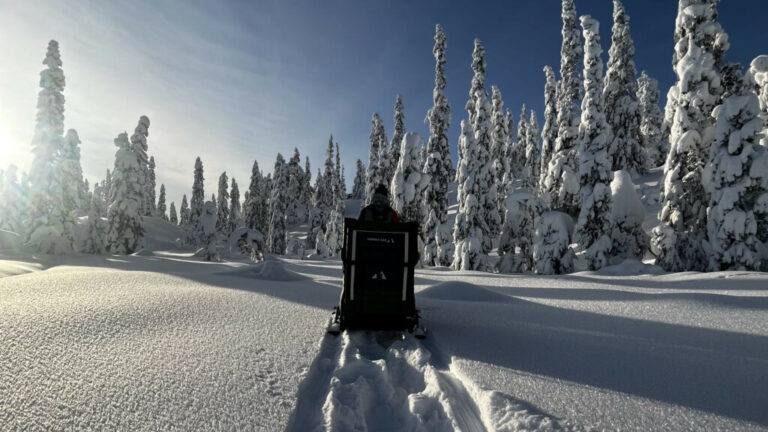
<point x="270" y="270"/>
<point x="462" y="291"/>
<point x="630" y="267"/>
<point x="626" y="203"/>
<point x="15" y="268"/>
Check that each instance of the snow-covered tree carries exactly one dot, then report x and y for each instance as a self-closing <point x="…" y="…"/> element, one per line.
<point x="655" y="146"/>
<point x="376" y="172"/>
<point x="679" y="242"/>
<point x="222" y="213"/>
<point x="126" y="227"/>
<point x="174" y="217"/>
<point x="295" y="208"/>
<point x="50" y="224"/>
<point x="253" y="204"/>
<point x="235" y="211"/>
<point x="324" y="200"/>
<point x="737" y="179"/>
<point x="210" y="235"/>
<point x="196" y="204"/>
<point x="517" y="162"/>
<point x="151" y="186"/>
<point x="592" y="232"/>
<point x="184" y="213"/>
<point x="71" y="175"/>
<point x="709" y="36"/>
<point x="145" y="176"/>
<point x="160" y="209"/>
<point x="517" y="233"/>
<point x="627" y="215"/>
<point x="408" y="182"/>
<point x="499" y="138"/>
<point x="620" y="94"/>
<point x="549" y="131"/>
<point x="339" y="184"/>
<point x="306" y="188"/>
<point x="552" y="253"/>
<point x="532" y="151"/>
<point x="277" y="238"/>
<point x="397" y="138"/>
<point x="95" y="236"/>
<point x="562" y="180"/>
<point x="758" y="74"/>
<point x="469" y="225"/>
<point x="358" y="185"/>
<point x="438" y="249"/>
<point x="11" y="204"/>
<point x="107" y="188"/>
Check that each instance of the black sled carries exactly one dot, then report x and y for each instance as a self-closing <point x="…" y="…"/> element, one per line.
<point x="378" y="262"/>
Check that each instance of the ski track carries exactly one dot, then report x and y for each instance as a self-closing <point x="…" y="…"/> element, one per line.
<point x="388" y="381"/>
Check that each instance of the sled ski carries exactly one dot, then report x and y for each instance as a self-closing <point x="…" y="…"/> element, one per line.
<point x="378" y="263"/>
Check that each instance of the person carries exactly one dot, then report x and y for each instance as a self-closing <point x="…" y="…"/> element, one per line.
<point x="379" y="209"/>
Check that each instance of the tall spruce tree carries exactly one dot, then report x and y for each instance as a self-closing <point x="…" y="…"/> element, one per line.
<point x="438" y="249"/>
<point x="184" y="214"/>
<point x="254" y="203"/>
<point x="174" y="217"/>
<point x="549" y="131"/>
<point x="679" y="241"/>
<point x="139" y="143"/>
<point x="620" y="93"/>
<point x="397" y="138"/>
<point x="469" y="226"/>
<point x="518" y="163"/>
<point x="737" y="179"/>
<point x="532" y="152"/>
<point x="758" y="76"/>
<point x="376" y="172"/>
<point x="235" y="210"/>
<point x="151" y="186"/>
<point x="160" y="208"/>
<point x="591" y="234"/>
<point x="50" y="224"/>
<point x="294" y="211"/>
<point x="277" y="238"/>
<point x="222" y="212"/>
<point x="358" y="185"/>
<point x="126" y="227"/>
<point x="562" y="180"/>
<point x="655" y="146"/>
<point x="196" y="204"/>
<point x="499" y="137"/>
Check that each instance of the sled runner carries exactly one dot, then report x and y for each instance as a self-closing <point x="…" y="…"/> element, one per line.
<point x="378" y="278"/>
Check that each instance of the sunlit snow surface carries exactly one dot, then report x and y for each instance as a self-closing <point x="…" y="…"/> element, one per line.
<point x="166" y="342"/>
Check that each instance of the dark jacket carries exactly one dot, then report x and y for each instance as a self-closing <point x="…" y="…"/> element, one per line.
<point x="379" y="211"/>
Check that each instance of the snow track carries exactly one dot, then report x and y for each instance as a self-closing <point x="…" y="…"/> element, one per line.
<point x="386" y="381"/>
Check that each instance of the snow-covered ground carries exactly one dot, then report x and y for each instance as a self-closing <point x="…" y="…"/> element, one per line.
<point x="164" y="341"/>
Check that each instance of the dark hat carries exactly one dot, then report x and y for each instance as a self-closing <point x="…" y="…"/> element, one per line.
<point x="381" y="189"/>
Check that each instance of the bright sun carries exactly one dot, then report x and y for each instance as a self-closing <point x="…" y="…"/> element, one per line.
<point x="12" y="151"/>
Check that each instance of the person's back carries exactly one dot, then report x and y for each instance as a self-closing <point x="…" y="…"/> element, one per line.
<point x="379" y="209"/>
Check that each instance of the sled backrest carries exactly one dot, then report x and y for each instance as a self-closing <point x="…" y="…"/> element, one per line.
<point x="379" y="261"/>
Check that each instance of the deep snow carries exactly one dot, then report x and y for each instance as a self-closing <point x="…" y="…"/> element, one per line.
<point x="170" y="342"/>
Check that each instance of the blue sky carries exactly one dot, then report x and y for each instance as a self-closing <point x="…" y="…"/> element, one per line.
<point x="242" y="80"/>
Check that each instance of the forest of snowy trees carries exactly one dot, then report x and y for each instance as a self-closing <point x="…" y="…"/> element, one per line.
<point x="550" y="195"/>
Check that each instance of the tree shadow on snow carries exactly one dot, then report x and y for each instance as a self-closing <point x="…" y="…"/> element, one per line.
<point x="720" y="372"/>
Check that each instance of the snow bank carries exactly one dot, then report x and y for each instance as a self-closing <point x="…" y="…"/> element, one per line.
<point x="630" y="267"/>
<point x="461" y="291"/>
